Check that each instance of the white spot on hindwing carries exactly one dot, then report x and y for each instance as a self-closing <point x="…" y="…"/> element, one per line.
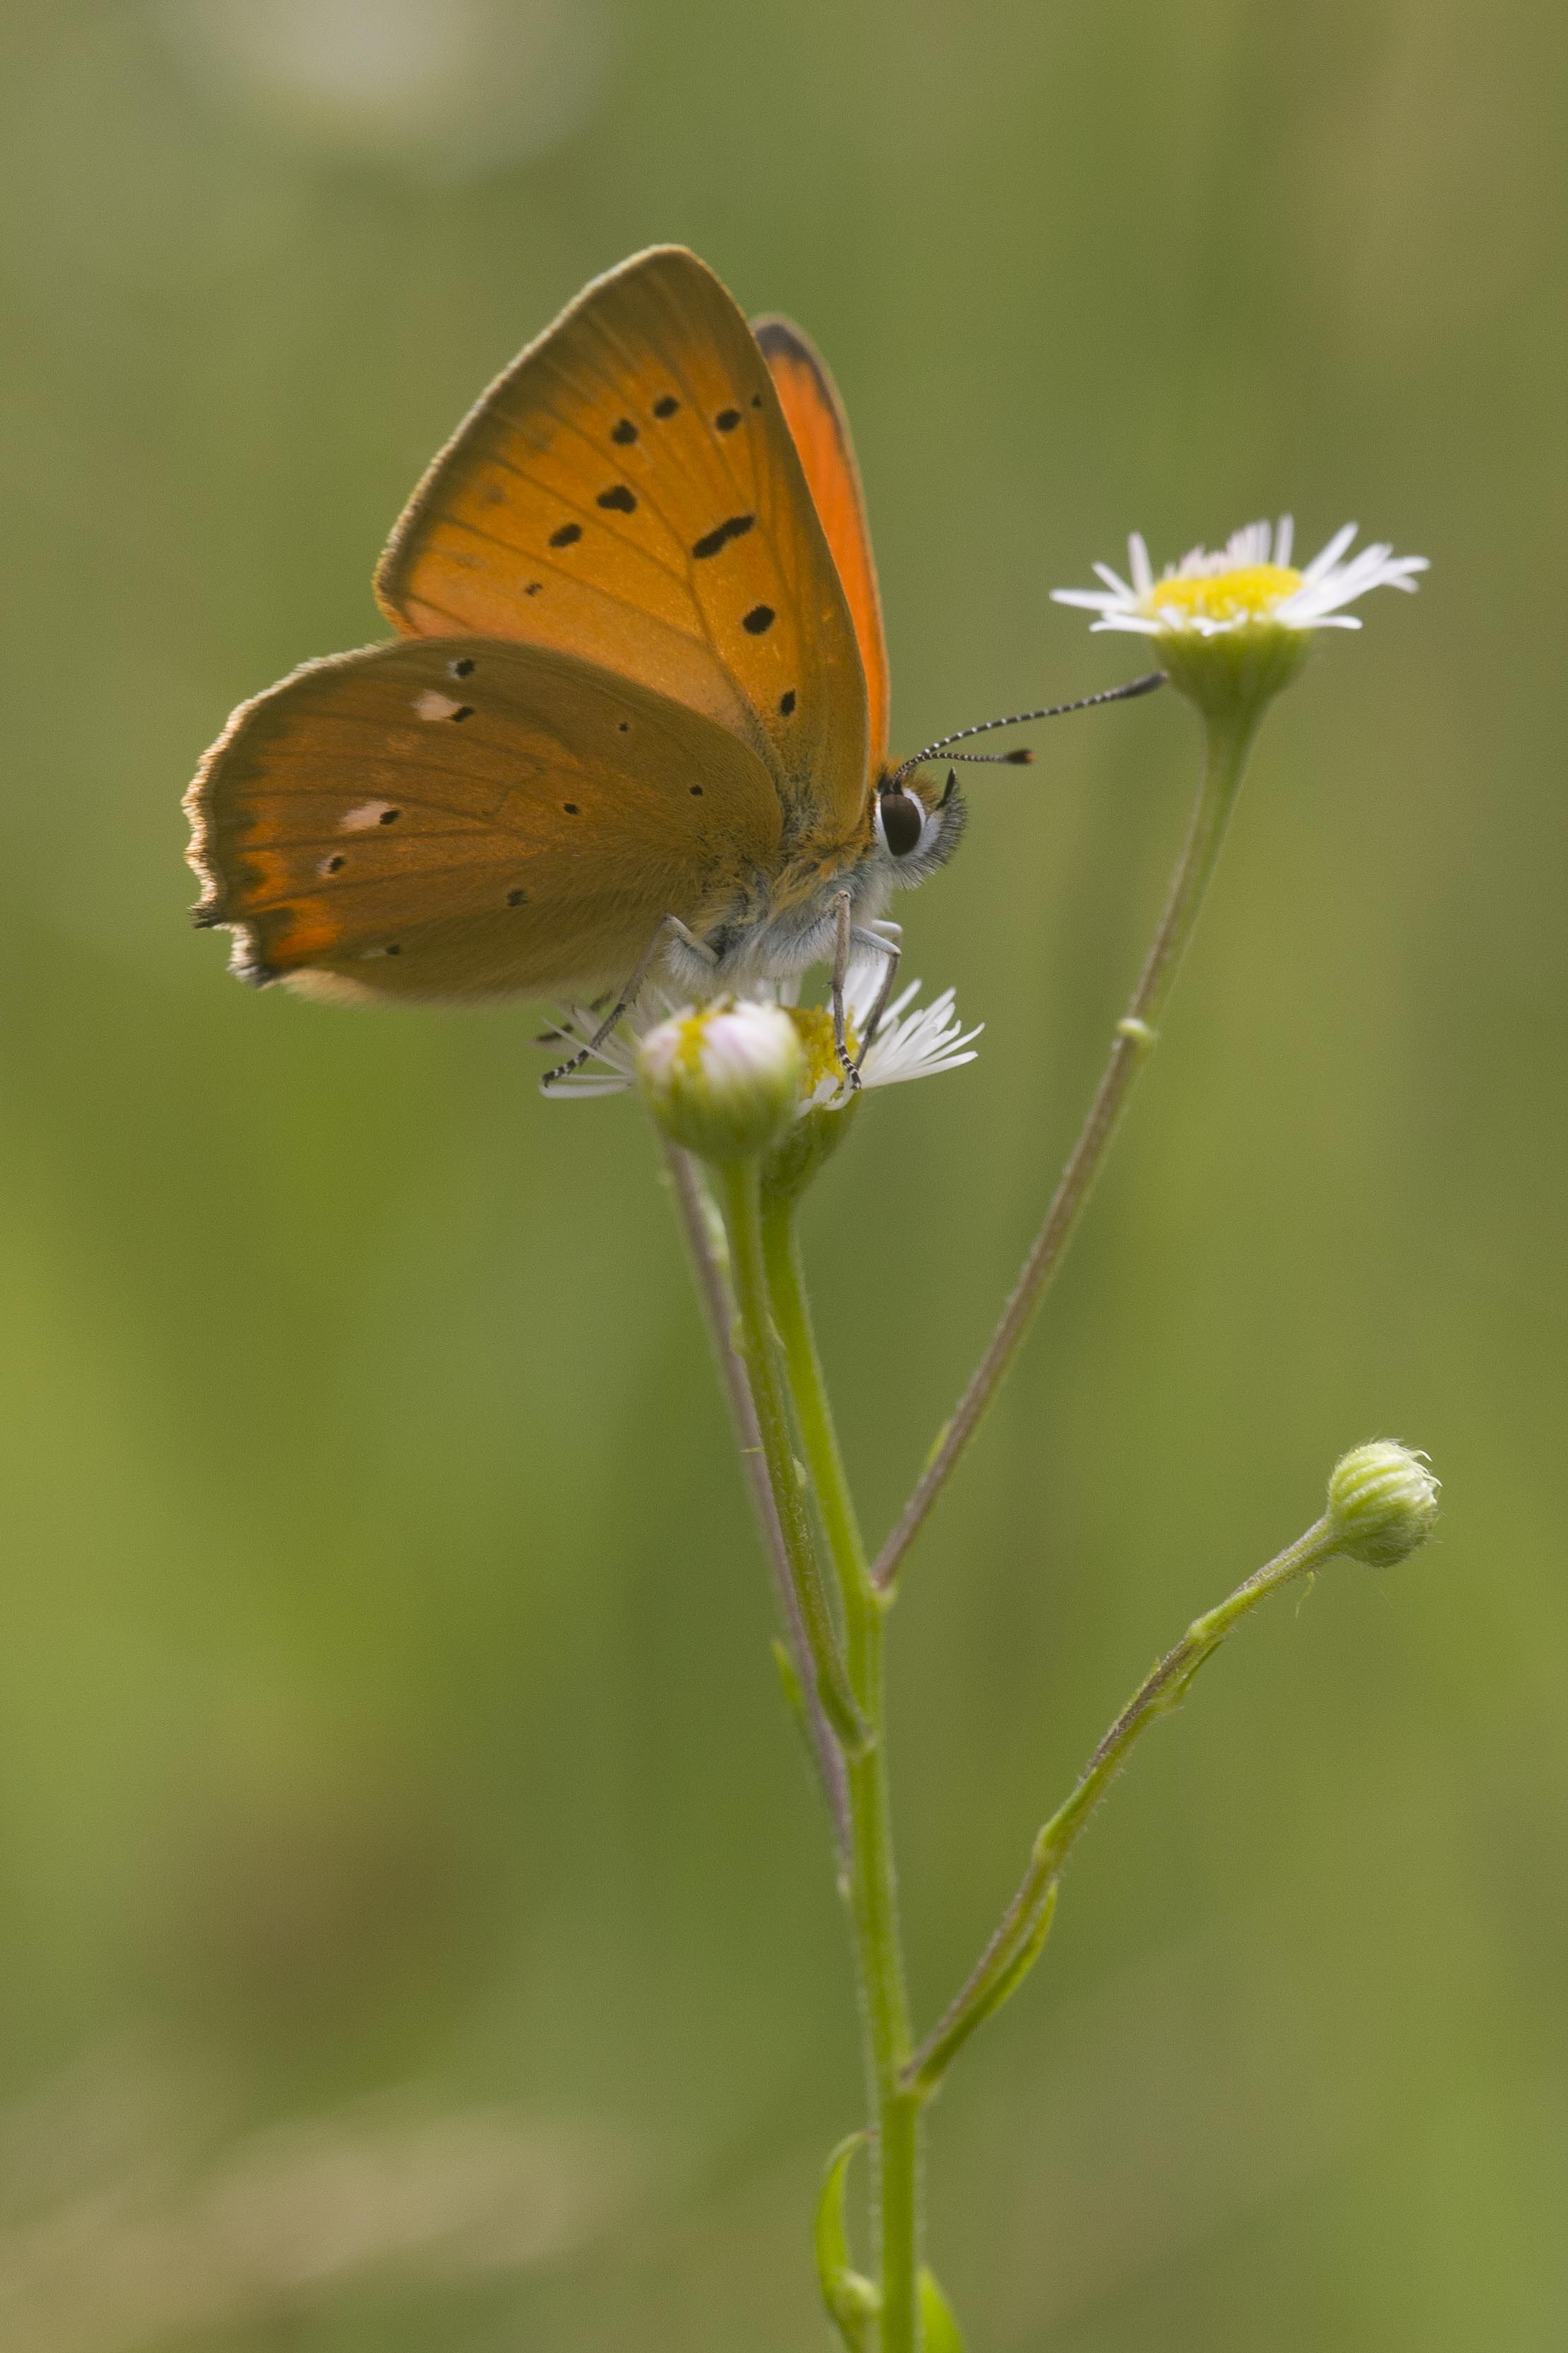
<point x="368" y="812"/>
<point x="432" y="705"/>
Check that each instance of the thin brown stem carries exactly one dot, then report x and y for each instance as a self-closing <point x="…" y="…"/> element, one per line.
<point x="704" y="1234"/>
<point x="1135" y="1035"/>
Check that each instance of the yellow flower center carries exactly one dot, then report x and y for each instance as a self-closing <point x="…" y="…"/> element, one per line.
<point x="1249" y="594"/>
<point x="813" y="1027"/>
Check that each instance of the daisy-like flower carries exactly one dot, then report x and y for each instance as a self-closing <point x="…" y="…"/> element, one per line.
<point x="915" y="1044"/>
<point x="1234" y="625"/>
<point x="1249" y="579"/>
<point x="912" y="1042"/>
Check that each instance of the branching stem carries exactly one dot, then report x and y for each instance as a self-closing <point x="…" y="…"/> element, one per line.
<point x="873" y="1879"/>
<point x="709" y="1258"/>
<point x="1022" y="1931"/>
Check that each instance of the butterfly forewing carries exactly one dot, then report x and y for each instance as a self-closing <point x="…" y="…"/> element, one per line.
<point x="815" y="417"/>
<point x="463" y="818"/>
<point x="629" y="491"/>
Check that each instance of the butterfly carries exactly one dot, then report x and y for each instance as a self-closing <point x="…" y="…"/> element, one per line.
<point x="635" y="716"/>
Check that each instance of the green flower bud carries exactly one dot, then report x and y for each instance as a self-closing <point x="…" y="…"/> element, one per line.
<point x="724" y="1081"/>
<point x="1382" y="1503"/>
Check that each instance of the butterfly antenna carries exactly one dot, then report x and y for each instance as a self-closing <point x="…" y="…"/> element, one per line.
<point x="1133" y="688"/>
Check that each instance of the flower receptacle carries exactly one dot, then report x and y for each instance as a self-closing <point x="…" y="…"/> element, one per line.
<point x="1234" y="674"/>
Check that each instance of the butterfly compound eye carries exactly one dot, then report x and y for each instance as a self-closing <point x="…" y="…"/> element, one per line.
<point x="901" y="821"/>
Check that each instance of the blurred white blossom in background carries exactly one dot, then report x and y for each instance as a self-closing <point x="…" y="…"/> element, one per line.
<point x="133" y="2216"/>
<point x="450" y="87"/>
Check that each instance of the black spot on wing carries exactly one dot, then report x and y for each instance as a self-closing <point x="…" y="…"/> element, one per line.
<point x="566" y="534"/>
<point x="462" y="668"/>
<point x="760" y="619"/>
<point x="733" y="527"/>
<point x="389" y="817"/>
<point x="695" y="792"/>
<point x="787" y="703"/>
<point x="517" y="898"/>
<point x="626" y="433"/>
<point x="727" y="419"/>
<point x="571" y="808"/>
<point x="666" y="406"/>
<point x="533" y="588"/>
<point x="619" y="498"/>
<point x="334" y="865"/>
<point x="464" y="710"/>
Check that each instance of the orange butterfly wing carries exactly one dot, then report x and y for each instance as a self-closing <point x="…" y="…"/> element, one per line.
<point x="465" y="819"/>
<point x="815" y="416"/>
<point x="629" y="491"/>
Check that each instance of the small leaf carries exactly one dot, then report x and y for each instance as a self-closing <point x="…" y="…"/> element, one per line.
<point x="794" y="1697"/>
<point x="938" y="2326"/>
<point x="852" y="2302"/>
<point x="938" y="1442"/>
<point x="1172" y="1699"/>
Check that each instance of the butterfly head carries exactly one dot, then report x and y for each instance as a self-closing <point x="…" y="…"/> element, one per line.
<point x="917" y="828"/>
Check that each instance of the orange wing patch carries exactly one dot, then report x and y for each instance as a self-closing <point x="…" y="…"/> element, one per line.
<point x="629" y="492"/>
<point x="463" y="818"/>
<point x="815" y="417"/>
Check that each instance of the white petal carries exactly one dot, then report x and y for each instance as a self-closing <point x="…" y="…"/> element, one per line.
<point x="1090" y="598"/>
<point x="1113" y="581"/>
<point x="1284" y="537"/>
<point x="1138" y="560"/>
<point x="1327" y="557"/>
<point x="582" y="1084"/>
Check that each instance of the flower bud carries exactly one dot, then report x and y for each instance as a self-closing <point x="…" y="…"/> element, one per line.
<point x="1382" y="1503"/>
<point x="725" y="1081"/>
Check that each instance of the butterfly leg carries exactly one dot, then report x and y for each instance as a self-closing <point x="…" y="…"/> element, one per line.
<point x="893" y="951"/>
<point x="669" y="927"/>
<point x="844" y="934"/>
<point x="849" y="935"/>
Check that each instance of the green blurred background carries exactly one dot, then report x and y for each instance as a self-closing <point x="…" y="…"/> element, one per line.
<point x="415" y="1924"/>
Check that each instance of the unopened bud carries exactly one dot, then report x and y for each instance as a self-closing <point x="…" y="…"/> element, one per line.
<point x="724" y="1081"/>
<point x="1382" y="1503"/>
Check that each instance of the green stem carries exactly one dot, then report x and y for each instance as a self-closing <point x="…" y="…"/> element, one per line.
<point x="1022" y="1931"/>
<point x="873" y="1879"/>
<point x="741" y="1191"/>
<point x="710" y="1253"/>
<point x="1228" y="743"/>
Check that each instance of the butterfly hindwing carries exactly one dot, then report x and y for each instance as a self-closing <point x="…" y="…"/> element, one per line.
<point x="629" y="491"/>
<point x="815" y="417"/>
<point x="463" y="818"/>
